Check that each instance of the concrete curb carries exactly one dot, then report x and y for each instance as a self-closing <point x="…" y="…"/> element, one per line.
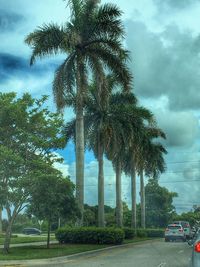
<point x="65" y="259"/>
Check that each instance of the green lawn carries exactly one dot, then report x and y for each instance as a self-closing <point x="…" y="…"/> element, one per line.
<point x="56" y="250"/>
<point x="41" y="252"/>
<point x="27" y="239"/>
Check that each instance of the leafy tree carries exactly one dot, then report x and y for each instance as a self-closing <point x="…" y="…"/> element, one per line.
<point x="159" y="207"/>
<point x="29" y="134"/>
<point x="92" y="42"/>
<point x="51" y="196"/>
<point x="192" y="217"/>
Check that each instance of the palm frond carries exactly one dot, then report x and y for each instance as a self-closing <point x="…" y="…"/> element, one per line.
<point x="64" y="81"/>
<point x="46" y="40"/>
<point x="76" y="7"/>
<point x="70" y="130"/>
<point x="115" y="65"/>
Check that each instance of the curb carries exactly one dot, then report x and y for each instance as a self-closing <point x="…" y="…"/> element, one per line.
<point x="65" y="259"/>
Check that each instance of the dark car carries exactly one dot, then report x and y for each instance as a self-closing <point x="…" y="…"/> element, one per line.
<point x="31" y="231"/>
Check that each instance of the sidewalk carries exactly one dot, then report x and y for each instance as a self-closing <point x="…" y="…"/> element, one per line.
<point x="30" y="244"/>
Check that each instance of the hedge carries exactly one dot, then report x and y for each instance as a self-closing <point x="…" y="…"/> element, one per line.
<point x="90" y="235"/>
<point x="130" y="233"/>
<point x="155" y="232"/>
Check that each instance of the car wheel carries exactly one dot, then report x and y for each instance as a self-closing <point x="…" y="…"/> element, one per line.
<point x="166" y="240"/>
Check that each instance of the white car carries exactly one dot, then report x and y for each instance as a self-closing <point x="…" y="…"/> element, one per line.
<point x="175" y="232"/>
<point x="186" y="227"/>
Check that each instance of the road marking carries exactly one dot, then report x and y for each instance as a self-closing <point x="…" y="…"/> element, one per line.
<point x="181" y="251"/>
<point x="162" y="264"/>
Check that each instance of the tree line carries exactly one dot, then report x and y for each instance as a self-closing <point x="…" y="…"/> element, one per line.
<point x="95" y="80"/>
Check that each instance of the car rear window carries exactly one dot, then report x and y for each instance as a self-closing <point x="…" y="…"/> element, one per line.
<point x="174" y="227"/>
<point x="184" y="224"/>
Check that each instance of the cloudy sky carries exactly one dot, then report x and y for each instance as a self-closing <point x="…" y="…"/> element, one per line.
<point x="164" y="40"/>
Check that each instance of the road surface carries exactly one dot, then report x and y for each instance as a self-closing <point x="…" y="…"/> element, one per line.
<point x="155" y="254"/>
<point x="152" y="254"/>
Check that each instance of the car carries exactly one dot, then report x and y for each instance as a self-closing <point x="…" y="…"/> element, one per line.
<point x="31" y="231"/>
<point x="186" y="227"/>
<point x="174" y="232"/>
<point x="195" y="243"/>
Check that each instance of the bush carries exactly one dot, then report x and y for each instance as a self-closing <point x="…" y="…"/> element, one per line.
<point x="90" y="235"/>
<point x="155" y="232"/>
<point x="129" y="233"/>
<point x="12" y="236"/>
<point x="141" y="233"/>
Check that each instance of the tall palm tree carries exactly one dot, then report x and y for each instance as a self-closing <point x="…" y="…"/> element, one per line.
<point x="91" y="41"/>
<point x="149" y="153"/>
<point x="130" y="125"/>
<point x="103" y="120"/>
<point x="1" y="230"/>
<point x="110" y="119"/>
<point x="137" y="118"/>
<point x="135" y="159"/>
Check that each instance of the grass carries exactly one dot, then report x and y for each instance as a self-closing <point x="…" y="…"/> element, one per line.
<point x="27" y="239"/>
<point x="41" y="252"/>
<point x="56" y="250"/>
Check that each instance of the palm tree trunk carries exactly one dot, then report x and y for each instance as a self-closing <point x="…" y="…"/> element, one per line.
<point x="119" y="209"/>
<point x="101" y="219"/>
<point x="80" y="155"/>
<point x="1" y="229"/>
<point x="133" y="198"/>
<point x="142" y="197"/>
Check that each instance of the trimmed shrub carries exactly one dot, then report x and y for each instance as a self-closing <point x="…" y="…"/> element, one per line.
<point x="90" y="235"/>
<point x="141" y="233"/>
<point x="128" y="233"/>
<point x="155" y="232"/>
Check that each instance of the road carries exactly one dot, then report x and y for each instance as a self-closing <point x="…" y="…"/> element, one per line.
<point x="147" y="254"/>
<point x="152" y="254"/>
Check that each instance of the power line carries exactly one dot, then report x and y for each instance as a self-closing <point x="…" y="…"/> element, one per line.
<point x="167" y="172"/>
<point x="160" y="182"/>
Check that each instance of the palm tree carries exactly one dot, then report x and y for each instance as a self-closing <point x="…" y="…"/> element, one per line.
<point x="92" y="42"/>
<point x="102" y="120"/>
<point x="131" y="122"/>
<point x="110" y="120"/>
<point x="1" y="230"/>
<point x="150" y="159"/>
<point x="135" y="158"/>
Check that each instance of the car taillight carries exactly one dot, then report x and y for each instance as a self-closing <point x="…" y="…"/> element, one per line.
<point x="197" y="247"/>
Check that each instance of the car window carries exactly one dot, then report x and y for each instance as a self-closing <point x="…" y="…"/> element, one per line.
<point x="174" y="227"/>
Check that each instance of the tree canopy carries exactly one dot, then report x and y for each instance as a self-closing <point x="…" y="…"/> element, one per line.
<point x="159" y="204"/>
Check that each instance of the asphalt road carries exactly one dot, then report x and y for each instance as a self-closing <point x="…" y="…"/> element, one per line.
<point x="155" y="254"/>
<point x="147" y="254"/>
